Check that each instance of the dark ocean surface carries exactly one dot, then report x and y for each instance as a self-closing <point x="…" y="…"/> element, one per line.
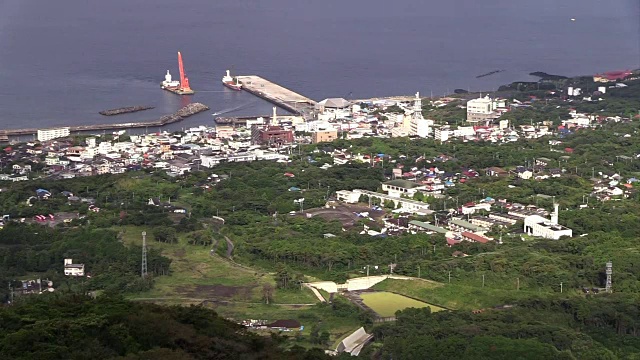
<point x="62" y="62"/>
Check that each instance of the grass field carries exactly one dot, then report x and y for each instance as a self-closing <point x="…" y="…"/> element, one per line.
<point x="196" y="275"/>
<point x="386" y="304"/>
<point x="453" y="296"/>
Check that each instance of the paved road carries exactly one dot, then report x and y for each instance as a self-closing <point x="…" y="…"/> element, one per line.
<point x="230" y="247"/>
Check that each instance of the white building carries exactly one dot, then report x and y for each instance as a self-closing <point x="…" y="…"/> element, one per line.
<point x="536" y="225"/>
<point x="420" y="127"/>
<point x="352" y="197"/>
<point x="49" y="134"/>
<point x="71" y="269"/>
<point x="442" y="133"/>
<point x="462" y="131"/>
<point x="481" y="109"/>
<point x="105" y="147"/>
<point x="400" y="187"/>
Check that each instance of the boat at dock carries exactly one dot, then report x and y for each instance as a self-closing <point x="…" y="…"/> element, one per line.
<point x="231" y="82"/>
<point x="177" y="87"/>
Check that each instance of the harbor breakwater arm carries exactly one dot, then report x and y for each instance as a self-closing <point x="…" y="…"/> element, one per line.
<point x="125" y="110"/>
<point x="185" y="112"/>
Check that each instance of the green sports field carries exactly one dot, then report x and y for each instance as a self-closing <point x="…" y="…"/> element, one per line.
<point x="386" y="304"/>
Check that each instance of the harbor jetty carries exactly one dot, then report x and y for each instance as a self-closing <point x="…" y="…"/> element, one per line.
<point x="489" y="73"/>
<point x="279" y="95"/>
<point x="125" y="110"/>
<point x="185" y="112"/>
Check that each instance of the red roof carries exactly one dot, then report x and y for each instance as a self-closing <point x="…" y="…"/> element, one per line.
<point x="615" y="75"/>
<point x="475" y="237"/>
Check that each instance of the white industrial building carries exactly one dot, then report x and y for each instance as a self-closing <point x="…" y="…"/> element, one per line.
<point x="71" y="269"/>
<point x="352" y="197"/>
<point x="536" y="225"/>
<point x="50" y="134"/>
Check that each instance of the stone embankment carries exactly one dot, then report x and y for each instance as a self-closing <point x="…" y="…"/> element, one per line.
<point x="185" y="112"/>
<point x="125" y="110"/>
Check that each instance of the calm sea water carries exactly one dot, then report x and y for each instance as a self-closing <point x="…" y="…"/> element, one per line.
<point x="63" y="61"/>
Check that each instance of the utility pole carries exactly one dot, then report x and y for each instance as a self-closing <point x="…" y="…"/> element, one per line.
<point x="367" y="270"/>
<point x="143" y="272"/>
<point x="560" y="288"/>
<point x="419" y="271"/>
<point x="518" y="284"/>
<point x="449" y="277"/>
<point x="482" y="280"/>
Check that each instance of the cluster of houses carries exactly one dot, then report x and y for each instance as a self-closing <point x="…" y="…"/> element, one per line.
<point x="612" y="187"/>
<point x="176" y="154"/>
<point x="469" y="222"/>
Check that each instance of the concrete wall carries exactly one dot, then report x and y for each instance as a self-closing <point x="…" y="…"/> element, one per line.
<point x="364" y="283"/>
<point x="328" y="286"/>
<point x="352" y="341"/>
<point x="361" y="283"/>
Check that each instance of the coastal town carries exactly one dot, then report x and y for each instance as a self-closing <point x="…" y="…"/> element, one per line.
<point x="438" y="173"/>
<point x="300" y="181"/>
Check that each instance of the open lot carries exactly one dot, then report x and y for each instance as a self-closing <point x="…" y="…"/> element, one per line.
<point x="386" y="304"/>
<point x="198" y="275"/>
<point x="344" y="213"/>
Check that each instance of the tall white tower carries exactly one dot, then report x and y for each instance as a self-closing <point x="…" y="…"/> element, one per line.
<point x="274" y="117"/>
<point x="417" y="108"/>
<point x="167" y="78"/>
<point x="554" y="216"/>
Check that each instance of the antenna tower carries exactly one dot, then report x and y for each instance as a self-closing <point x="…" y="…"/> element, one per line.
<point x="609" y="271"/>
<point x="143" y="272"/>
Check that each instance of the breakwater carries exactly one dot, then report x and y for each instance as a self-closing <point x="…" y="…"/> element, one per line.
<point x="125" y="110"/>
<point x="489" y="73"/>
<point x="185" y="112"/>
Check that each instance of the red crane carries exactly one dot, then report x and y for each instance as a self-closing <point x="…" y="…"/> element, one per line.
<point x="184" y="80"/>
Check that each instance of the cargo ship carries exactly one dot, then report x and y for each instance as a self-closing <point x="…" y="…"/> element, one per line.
<point x="231" y="82"/>
<point x="177" y="87"/>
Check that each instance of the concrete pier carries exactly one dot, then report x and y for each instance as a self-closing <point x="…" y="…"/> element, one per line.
<point x="279" y="95"/>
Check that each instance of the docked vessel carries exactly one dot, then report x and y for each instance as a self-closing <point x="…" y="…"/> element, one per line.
<point x="231" y="82"/>
<point x="177" y="87"/>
